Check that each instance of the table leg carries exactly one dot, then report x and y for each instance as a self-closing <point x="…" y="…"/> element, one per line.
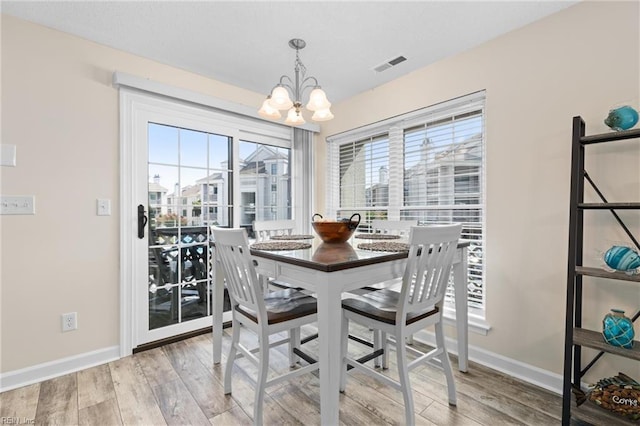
<point x="462" y="318"/>
<point x="216" y="312"/>
<point x="329" y="323"/>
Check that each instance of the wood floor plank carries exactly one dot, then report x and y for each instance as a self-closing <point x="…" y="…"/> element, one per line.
<point x="177" y="405"/>
<point x="20" y="403"/>
<point x="420" y="401"/>
<point x="58" y="401"/>
<point x="291" y="398"/>
<point x="273" y="414"/>
<point x="387" y="409"/>
<point x="137" y="403"/>
<point x="207" y="391"/>
<point x="156" y="366"/>
<point x="440" y="414"/>
<point x="104" y="413"/>
<point x="95" y="386"/>
<point x="234" y="416"/>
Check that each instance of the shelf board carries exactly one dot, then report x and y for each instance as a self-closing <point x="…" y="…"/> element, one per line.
<point x="609" y="137"/>
<point x="609" y="206"/>
<point x="592" y="414"/>
<point x="601" y="273"/>
<point x="594" y="340"/>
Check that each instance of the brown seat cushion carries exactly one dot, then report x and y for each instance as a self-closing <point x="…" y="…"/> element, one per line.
<point x="381" y="306"/>
<point x="284" y="305"/>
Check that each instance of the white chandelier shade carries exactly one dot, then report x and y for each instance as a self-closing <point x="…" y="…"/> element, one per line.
<point x="267" y="111"/>
<point x="282" y="94"/>
<point x="294" y="118"/>
<point x="280" y="98"/>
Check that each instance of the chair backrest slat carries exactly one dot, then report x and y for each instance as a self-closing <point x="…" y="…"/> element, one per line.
<point x="431" y="253"/>
<point x="232" y="250"/>
<point x="398" y="227"/>
<point x="264" y="229"/>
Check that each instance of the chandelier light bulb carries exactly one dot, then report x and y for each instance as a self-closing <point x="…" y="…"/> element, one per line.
<point x="322" y="115"/>
<point x="280" y="98"/>
<point x="294" y="118"/>
<point x="267" y="111"/>
<point x="318" y="100"/>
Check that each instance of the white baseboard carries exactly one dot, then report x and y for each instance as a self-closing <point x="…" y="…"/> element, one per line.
<point x="60" y="367"/>
<point x="525" y="372"/>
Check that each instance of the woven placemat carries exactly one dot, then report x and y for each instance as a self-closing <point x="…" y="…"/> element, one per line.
<point x="384" y="246"/>
<point x="378" y="236"/>
<point x="280" y="245"/>
<point x="292" y="237"/>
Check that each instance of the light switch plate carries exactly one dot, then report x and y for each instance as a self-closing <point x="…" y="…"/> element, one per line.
<point x="103" y="207"/>
<point x="18" y="204"/>
<point x="7" y="155"/>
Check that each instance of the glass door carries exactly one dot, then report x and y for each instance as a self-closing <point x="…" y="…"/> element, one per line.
<point x="184" y="168"/>
<point x="189" y="189"/>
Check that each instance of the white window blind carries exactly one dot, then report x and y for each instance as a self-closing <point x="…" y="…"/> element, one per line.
<point x="426" y="165"/>
<point x="364" y="178"/>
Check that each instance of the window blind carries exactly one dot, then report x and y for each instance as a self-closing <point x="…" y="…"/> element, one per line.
<point x="364" y="178"/>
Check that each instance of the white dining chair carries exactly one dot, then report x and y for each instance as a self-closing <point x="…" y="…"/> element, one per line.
<point x="400" y="314"/>
<point x="396" y="227"/>
<point x="265" y="229"/>
<point x="264" y="314"/>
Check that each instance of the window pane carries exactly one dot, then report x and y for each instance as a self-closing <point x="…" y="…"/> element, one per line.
<point x="443" y="184"/>
<point x="364" y="178"/>
<point x="265" y="183"/>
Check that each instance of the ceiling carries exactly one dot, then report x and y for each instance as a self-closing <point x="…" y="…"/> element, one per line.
<point x="246" y="43"/>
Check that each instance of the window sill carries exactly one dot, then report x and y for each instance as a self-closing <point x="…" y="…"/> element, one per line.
<point x="477" y="323"/>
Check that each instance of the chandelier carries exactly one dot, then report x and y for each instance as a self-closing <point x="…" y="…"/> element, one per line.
<point x="287" y="88"/>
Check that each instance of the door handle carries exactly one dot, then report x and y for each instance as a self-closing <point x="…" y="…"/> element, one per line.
<point x="142" y="221"/>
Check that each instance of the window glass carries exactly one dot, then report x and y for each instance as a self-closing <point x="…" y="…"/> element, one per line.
<point x="264" y="182"/>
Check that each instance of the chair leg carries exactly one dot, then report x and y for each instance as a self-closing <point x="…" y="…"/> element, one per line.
<point x="385" y="350"/>
<point x="446" y="364"/>
<point x="231" y="359"/>
<point x="403" y="373"/>
<point x="261" y="380"/>
<point x="344" y="343"/>
<point x="294" y="342"/>
<point x="377" y="345"/>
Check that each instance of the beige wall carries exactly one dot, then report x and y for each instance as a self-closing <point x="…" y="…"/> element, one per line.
<point x="577" y="62"/>
<point x="59" y="108"/>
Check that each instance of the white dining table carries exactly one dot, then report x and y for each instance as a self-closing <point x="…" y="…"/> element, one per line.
<point x="329" y="270"/>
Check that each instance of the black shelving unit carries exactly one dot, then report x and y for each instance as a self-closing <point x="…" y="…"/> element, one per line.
<point x="577" y="337"/>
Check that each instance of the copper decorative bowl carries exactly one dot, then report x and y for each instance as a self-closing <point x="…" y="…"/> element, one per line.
<point x="337" y="231"/>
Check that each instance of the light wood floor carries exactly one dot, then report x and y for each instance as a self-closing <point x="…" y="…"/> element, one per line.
<point x="178" y="385"/>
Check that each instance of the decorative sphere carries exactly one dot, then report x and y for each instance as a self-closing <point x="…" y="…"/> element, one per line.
<point x="622" y="118"/>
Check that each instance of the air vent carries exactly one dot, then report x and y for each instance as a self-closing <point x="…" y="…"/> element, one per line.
<point x="390" y="63"/>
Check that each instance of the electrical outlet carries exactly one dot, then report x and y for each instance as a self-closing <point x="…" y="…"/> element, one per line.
<point x="69" y="321"/>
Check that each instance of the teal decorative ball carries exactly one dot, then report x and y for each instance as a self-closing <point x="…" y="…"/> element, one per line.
<point x="622" y="118"/>
<point x="617" y="329"/>
<point x="622" y="258"/>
